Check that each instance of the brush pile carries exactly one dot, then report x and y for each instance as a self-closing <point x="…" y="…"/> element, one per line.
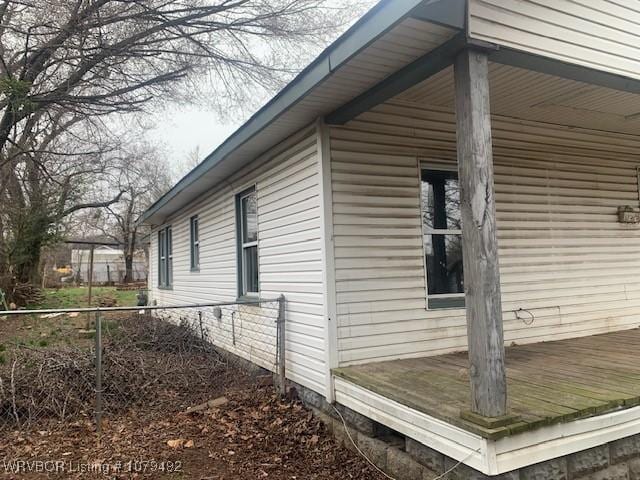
<point x="146" y="361"/>
<point x="18" y="294"/>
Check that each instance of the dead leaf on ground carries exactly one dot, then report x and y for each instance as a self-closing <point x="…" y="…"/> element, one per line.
<point x="177" y="443"/>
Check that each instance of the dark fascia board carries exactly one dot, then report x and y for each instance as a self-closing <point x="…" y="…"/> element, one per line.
<point x="433" y="62"/>
<point x="452" y="13"/>
<point x="558" y="68"/>
<point x="374" y="23"/>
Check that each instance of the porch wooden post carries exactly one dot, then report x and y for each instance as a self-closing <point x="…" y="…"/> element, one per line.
<point x="480" y="249"/>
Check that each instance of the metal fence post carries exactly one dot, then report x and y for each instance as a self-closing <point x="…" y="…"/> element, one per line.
<point x="201" y="326"/>
<point x="98" y="374"/>
<point x="233" y="328"/>
<point x="281" y="330"/>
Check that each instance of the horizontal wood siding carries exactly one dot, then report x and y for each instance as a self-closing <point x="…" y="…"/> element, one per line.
<point x="599" y="34"/>
<point x="287" y="187"/>
<point x="564" y="258"/>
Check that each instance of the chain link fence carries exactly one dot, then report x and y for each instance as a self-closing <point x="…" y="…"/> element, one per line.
<point x="60" y="367"/>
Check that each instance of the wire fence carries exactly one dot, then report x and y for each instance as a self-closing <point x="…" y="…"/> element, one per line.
<point x="63" y="366"/>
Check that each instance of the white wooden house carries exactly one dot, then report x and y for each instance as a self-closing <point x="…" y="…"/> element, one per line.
<point x="499" y="138"/>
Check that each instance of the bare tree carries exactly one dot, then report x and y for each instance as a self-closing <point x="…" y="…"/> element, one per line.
<point x="50" y="172"/>
<point x="65" y="65"/>
<point x="104" y="56"/>
<point x="183" y="165"/>
<point x="143" y="177"/>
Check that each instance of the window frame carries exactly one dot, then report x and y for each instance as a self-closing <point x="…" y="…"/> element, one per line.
<point x="194" y="242"/>
<point x="438" y="301"/>
<point x="165" y="257"/>
<point x="242" y="245"/>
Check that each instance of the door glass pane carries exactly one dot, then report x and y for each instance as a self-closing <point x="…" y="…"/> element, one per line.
<point x="195" y="260"/>
<point x="440" y="201"/>
<point x="444" y="264"/>
<point x="250" y="264"/>
<point x="446" y="302"/>
<point x="249" y="219"/>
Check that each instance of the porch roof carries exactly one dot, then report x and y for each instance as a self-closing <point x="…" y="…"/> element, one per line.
<point x="395" y="46"/>
<point x="548" y="383"/>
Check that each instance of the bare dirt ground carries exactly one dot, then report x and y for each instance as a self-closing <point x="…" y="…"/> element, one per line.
<point x="255" y="435"/>
<point x="147" y="432"/>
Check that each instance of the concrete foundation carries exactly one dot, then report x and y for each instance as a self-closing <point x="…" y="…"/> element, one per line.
<point x="406" y="459"/>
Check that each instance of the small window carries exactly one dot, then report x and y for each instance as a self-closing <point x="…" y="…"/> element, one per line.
<point x="195" y="242"/>
<point x="162" y="258"/>
<point x="165" y="258"/>
<point x="247" y="231"/>
<point x="442" y="229"/>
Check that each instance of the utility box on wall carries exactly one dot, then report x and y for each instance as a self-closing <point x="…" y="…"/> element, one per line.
<point x="628" y="214"/>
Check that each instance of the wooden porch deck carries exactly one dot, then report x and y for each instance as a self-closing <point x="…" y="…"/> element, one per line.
<point x="548" y="383"/>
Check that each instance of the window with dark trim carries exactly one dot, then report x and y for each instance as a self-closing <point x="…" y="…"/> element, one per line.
<point x="165" y="258"/>
<point x="194" y="242"/>
<point x="247" y="235"/>
<point x="442" y="230"/>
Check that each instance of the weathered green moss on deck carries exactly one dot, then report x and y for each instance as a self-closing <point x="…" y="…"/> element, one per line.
<point x="548" y="383"/>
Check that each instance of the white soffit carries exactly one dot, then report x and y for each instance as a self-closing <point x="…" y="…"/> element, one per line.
<point x="528" y="95"/>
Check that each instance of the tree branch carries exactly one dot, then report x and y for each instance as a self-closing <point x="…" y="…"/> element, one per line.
<point x="83" y="206"/>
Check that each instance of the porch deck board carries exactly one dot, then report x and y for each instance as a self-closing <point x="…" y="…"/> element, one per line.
<point x="550" y="382"/>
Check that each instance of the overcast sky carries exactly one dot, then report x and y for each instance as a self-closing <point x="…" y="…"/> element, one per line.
<point x="183" y="130"/>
